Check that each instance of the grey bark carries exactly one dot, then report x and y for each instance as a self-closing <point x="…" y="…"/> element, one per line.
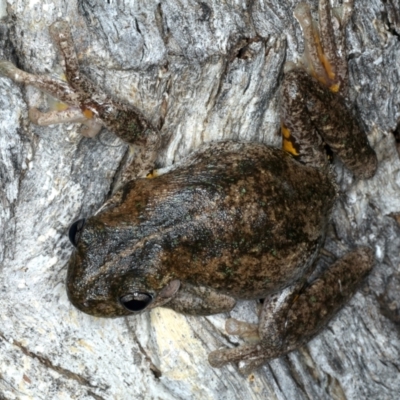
<point x="195" y="65"/>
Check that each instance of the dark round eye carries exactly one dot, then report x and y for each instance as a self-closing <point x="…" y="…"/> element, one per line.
<point x="75" y="231"/>
<point x="136" y="301"/>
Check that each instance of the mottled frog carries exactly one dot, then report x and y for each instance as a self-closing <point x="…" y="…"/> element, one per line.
<point x="232" y="221"/>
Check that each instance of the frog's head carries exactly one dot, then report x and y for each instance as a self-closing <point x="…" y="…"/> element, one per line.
<point x="115" y="271"/>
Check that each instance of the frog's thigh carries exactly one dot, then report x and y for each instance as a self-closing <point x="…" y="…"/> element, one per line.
<point x="298" y="322"/>
<point x="200" y="301"/>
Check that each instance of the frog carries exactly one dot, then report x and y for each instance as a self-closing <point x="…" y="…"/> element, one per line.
<point x="233" y="220"/>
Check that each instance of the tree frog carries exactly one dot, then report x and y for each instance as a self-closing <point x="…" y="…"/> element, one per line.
<point x="234" y="220"/>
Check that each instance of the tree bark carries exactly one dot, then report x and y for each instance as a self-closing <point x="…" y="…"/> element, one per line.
<point x="204" y="71"/>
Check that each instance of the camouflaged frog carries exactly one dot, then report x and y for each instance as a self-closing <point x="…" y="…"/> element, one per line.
<point x="232" y="221"/>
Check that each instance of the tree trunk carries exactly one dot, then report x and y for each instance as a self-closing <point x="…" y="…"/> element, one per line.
<point x="204" y="71"/>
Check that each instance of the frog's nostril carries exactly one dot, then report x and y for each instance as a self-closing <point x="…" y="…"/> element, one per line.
<point x="136" y="301"/>
<point x="75" y="231"/>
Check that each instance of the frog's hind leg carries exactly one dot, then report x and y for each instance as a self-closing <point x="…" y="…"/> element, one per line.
<point x="317" y="70"/>
<point x="268" y="336"/>
<point x="313" y="113"/>
<point x="291" y="319"/>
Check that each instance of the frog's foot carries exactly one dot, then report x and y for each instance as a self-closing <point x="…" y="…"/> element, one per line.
<point x="90" y="128"/>
<point x="324" y="56"/>
<point x="247" y="357"/>
<point x="55" y="116"/>
<point x="296" y="322"/>
<point x="9" y="70"/>
<point x="247" y="331"/>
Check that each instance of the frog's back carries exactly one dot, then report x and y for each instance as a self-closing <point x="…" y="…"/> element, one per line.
<point x="243" y="218"/>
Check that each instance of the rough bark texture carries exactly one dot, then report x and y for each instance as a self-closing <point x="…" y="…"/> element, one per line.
<point x="185" y="61"/>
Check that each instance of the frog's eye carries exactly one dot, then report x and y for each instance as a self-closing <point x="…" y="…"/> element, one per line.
<point x="136" y="301"/>
<point x="75" y="231"/>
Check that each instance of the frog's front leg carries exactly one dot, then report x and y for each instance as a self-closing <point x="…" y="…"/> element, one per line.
<point x="59" y="90"/>
<point x="299" y="320"/>
<point x="127" y="122"/>
<point x="200" y="300"/>
<point x="55" y="87"/>
<point x="90" y="106"/>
